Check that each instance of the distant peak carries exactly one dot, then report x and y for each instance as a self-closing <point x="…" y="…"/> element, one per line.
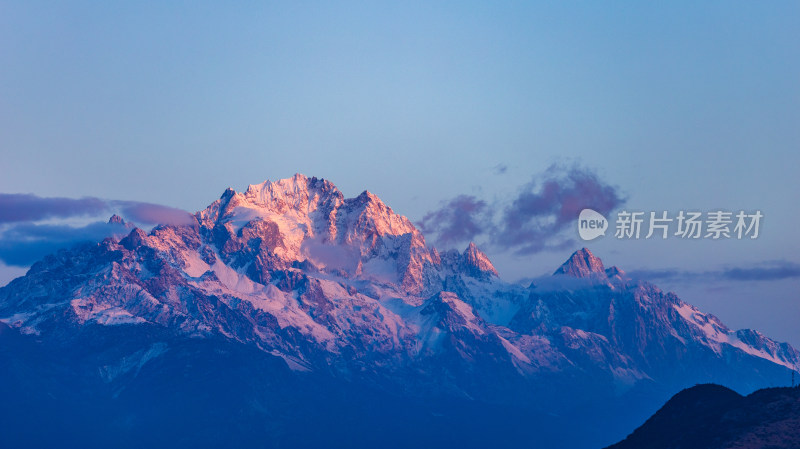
<point x="614" y="272"/>
<point x="116" y="219"/>
<point x="367" y="196"/>
<point x="477" y="261"/>
<point x="581" y="264"/>
<point x="227" y="194"/>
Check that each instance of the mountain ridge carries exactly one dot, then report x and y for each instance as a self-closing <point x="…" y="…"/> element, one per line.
<point x="348" y="289"/>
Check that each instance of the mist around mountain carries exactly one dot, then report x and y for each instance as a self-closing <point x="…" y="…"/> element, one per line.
<point x="290" y="316"/>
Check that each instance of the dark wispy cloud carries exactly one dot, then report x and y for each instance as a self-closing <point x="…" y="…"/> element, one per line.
<point x="548" y="204"/>
<point x="150" y="213"/>
<point x="777" y="271"/>
<point x="767" y="271"/>
<point x="24" y="239"/>
<point x="533" y="220"/>
<point x="663" y="274"/>
<point x="457" y="220"/>
<point x="18" y="208"/>
<point x="25" y="243"/>
<point x="500" y="169"/>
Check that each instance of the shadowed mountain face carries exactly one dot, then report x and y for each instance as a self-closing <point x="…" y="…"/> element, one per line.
<point x="289" y="307"/>
<point x="582" y="264"/>
<point x="711" y="416"/>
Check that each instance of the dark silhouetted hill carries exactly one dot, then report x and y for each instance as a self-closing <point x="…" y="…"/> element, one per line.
<point x="711" y="416"/>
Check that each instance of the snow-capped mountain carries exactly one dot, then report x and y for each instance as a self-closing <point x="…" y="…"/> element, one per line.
<point x="345" y="288"/>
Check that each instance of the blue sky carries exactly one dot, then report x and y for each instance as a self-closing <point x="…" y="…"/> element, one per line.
<point x="677" y="106"/>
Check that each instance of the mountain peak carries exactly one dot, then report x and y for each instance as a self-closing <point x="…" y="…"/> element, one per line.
<point x="615" y="273"/>
<point x="298" y="192"/>
<point x="116" y="219"/>
<point x="581" y="264"/>
<point x="477" y="262"/>
<point x="287" y="186"/>
<point x="366" y="197"/>
<point x="227" y="194"/>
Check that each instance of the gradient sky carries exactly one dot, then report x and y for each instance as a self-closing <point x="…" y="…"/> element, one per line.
<point x="679" y="105"/>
